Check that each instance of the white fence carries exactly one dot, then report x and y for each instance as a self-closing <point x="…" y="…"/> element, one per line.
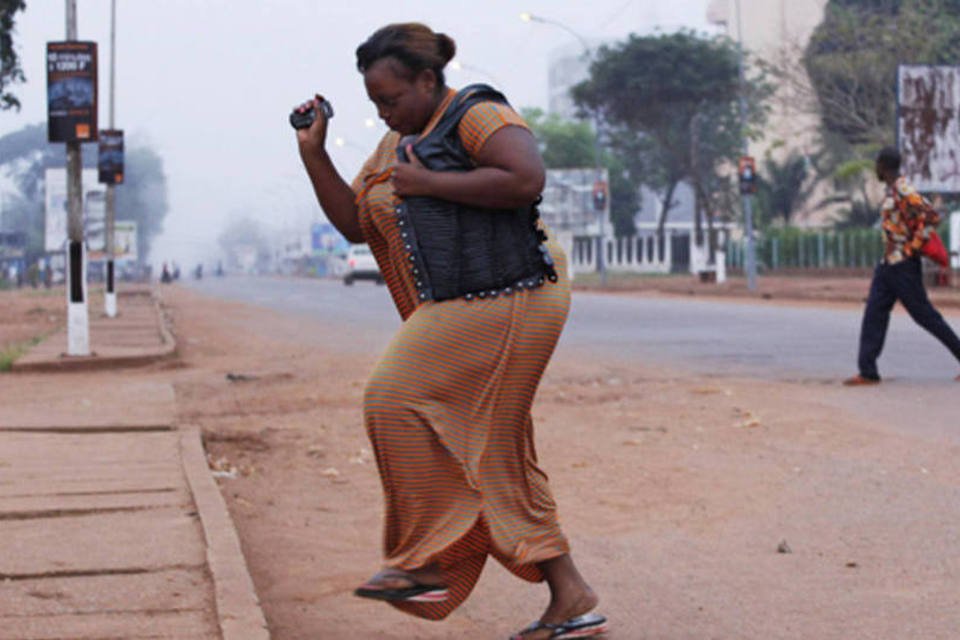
<point x="637" y="254"/>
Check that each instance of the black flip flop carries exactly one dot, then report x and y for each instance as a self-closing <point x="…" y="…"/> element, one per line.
<point x="414" y="593"/>
<point x="585" y="626"/>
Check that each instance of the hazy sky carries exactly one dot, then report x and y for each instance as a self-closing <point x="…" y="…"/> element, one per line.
<point x="209" y="84"/>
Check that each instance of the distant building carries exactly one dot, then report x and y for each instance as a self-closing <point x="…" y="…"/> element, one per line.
<point x="568" y="66"/>
<point x="777" y="31"/>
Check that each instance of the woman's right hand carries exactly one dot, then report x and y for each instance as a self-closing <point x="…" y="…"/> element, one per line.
<point x="313" y="139"/>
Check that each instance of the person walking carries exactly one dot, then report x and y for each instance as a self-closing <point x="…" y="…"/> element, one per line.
<point x="906" y="221"/>
<point x="447" y="204"/>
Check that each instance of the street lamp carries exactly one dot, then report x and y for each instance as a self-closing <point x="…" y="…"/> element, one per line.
<point x="526" y="16"/>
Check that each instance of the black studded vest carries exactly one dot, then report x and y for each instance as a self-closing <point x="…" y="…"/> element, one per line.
<point x="457" y="250"/>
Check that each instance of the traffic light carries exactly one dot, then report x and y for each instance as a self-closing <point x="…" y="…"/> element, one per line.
<point x="747" y="169"/>
<point x="600" y="195"/>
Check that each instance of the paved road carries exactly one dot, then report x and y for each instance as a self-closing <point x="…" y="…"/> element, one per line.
<point x="815" y="346"/>
<point x="757" y="339"/>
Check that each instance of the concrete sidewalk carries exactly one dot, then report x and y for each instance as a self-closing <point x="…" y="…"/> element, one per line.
<point x="111" y="525"/>
<point x="140" y="334"/>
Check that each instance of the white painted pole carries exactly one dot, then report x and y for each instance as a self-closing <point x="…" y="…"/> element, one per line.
<point x="110" y="295"/>
<point x="78" y="322"/>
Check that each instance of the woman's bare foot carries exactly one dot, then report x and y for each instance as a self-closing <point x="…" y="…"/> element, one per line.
<point x="570" y="605"/>
<point x="570" y="596"/>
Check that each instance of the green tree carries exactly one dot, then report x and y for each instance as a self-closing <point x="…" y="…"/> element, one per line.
<point x="10" y="71"/>
<point x="244" y="242"/>
<point x="671" y="106"/>
<point x="784" y="186"/>
<point x="25" y="154"/>
<point x="853" y="55"/>
<point x="851" y="178"/>
<point x="143" y="195"/>
<point x="570" y="144"/>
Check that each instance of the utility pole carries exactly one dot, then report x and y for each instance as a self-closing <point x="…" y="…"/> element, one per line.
<point x="110" y="296"/>
<point x="78" y="322"/>
<point x="588" y="53"/>
<point x="751" y="258"/>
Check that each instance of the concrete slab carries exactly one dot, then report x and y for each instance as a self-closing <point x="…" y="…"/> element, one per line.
<point x="17" y="506"/>
<point x="172" y="589"/>
<point x="87" y="403"/>
<point x="178" y="625"/>
<point x="143" y="540"/>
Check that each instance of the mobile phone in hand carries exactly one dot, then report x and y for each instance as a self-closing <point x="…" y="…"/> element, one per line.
<point x="303" y="117"/>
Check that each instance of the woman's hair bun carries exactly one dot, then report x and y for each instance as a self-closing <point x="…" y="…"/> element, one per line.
<point x="446" y="46"/>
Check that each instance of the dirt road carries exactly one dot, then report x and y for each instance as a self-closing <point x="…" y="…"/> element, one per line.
<point x="676" y="490"/>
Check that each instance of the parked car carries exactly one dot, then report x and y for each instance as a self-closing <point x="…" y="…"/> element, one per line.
<point x="361" y="265"/>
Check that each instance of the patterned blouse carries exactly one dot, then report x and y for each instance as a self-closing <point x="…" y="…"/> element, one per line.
<point x="906" y="219"/>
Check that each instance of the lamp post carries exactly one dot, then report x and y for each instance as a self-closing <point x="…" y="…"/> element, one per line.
<point x="751" y="258"/>
<point x="588" y="52"/>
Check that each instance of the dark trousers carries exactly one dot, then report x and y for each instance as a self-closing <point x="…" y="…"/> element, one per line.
<point x="904" y="282"/>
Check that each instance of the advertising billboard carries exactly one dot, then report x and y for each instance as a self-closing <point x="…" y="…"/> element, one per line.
<point x="110" y="156"/>
<point x="124" y="242"/>
<point x="71" y="91"/>
<point x="928" y="126"/>
<point x="55" y="222"/>
<point x="326" y="240"/>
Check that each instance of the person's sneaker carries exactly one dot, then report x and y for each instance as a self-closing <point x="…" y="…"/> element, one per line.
<point x="860" y="381"/>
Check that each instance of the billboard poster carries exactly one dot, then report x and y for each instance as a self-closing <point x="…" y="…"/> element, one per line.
<point x="124" y="242"/>
<point x="71" y="91"/>
<point x="94" y="221"/>
<point x="110" y="156"/>
<point x="55" y="219"/>
<point x="326" y="240"/>
<point x="928" y="126"/>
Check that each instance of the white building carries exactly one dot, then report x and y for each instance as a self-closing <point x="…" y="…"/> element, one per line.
<point x="777" y="32"/>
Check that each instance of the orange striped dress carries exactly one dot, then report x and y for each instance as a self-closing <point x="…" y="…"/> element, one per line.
<point x="447" y="408"/>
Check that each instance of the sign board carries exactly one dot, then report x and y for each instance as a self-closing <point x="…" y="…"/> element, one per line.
<point x="124" y="243"/>
<point x="55" y="223"/>
<point x="326" y="240"/>
<point x="13" y="244"/>
<point x="71" y="91"/>
<point x="95" y="222"/>
<point x="928" y="126"/>
<point x="570" y="201"/>
<point x="110" y="156"/>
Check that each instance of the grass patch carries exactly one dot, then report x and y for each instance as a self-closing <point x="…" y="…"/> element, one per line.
<point x="10" y="354"/>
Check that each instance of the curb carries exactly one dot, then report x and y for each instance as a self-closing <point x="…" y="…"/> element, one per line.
<point x="238" y="608"/>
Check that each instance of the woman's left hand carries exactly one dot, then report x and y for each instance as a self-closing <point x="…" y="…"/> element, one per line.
<point x="411" y="178"/>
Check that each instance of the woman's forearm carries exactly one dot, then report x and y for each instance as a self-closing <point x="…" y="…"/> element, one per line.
<point x="485" y="187"/>
<point x="334" y="194"/>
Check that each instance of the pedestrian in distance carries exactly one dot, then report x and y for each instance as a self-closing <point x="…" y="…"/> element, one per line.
<point x="450" y="216"/>
<point x="906" y="220"/>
